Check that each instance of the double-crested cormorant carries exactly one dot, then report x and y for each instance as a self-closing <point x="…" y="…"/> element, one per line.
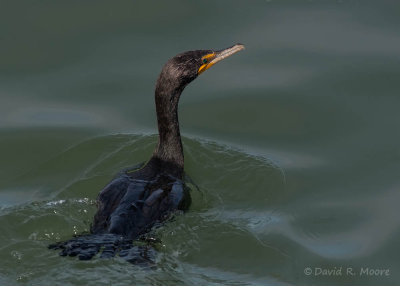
<point x="132" y="203"/>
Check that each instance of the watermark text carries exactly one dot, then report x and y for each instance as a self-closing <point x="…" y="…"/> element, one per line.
<point x="347" y="271"/>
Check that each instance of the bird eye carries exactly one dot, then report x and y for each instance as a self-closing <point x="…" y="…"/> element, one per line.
<point x="204" y="61"/>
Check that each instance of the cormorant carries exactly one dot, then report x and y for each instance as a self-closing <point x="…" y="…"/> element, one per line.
<point x="132" y="203"/>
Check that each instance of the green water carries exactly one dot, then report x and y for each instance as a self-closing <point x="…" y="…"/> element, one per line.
<point x="293" y="143"/>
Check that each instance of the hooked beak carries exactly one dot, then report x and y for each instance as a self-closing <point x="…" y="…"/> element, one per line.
<point x="213" y="58"/>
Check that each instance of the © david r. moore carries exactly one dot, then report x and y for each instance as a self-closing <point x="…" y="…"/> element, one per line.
<point x="350" y="271"/>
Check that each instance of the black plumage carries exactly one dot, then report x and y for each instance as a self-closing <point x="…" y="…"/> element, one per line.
<point x="135" y="201"/>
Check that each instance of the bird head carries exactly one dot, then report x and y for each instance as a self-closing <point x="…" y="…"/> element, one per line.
<point x="180" y="70"/>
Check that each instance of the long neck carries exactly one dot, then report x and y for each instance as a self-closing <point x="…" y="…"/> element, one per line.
<point x="169" y="148"/>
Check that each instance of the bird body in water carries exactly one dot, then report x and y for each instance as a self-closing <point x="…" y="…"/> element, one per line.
<point x="136" y="200"/>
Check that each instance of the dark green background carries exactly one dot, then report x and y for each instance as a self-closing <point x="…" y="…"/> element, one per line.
<point x="293" y="142"/>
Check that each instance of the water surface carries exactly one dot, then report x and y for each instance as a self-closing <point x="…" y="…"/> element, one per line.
<point x="293" y="143"/>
